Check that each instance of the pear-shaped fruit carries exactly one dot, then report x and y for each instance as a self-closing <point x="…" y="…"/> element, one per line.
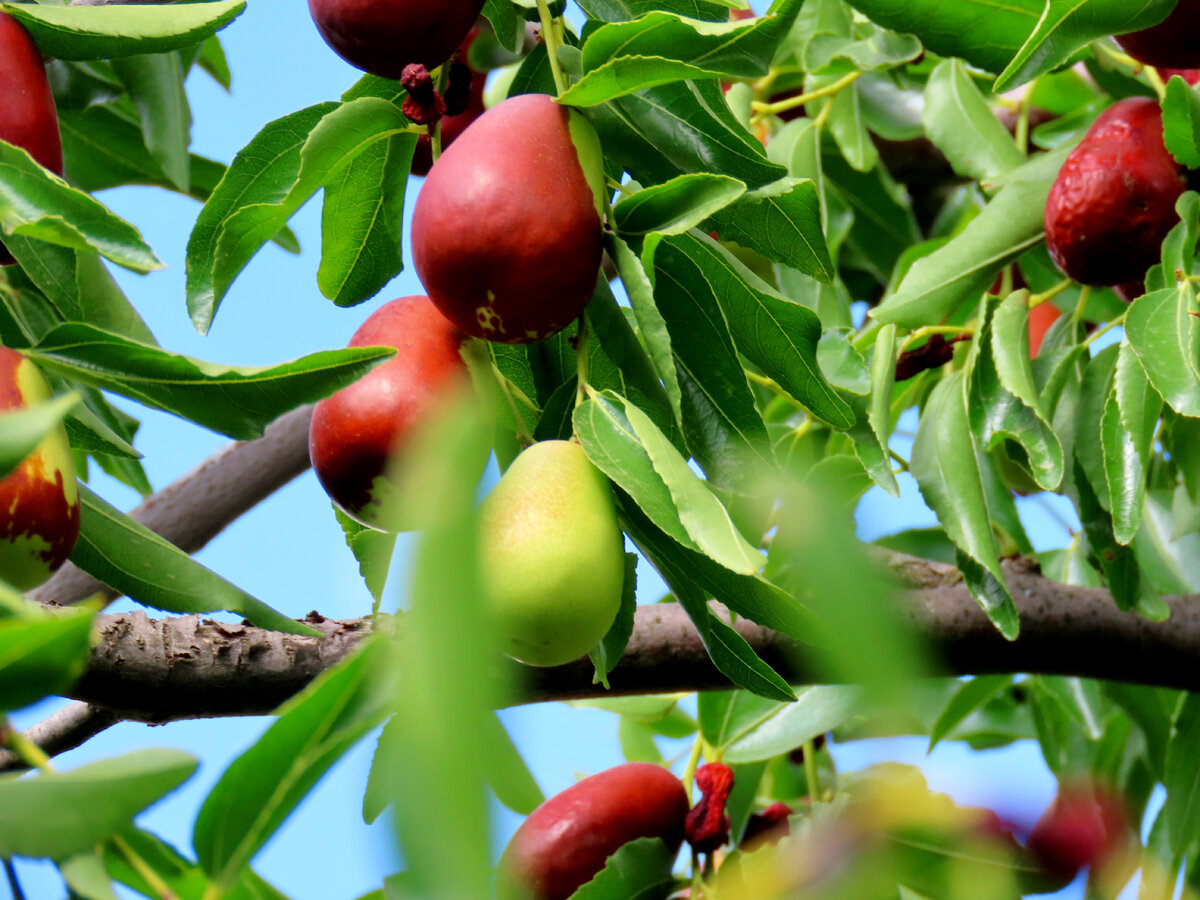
<point x="506" y="232"/>
<point x="567" y="839"/>
<point x="28" y="117"/>
<point x="355" y="431"/>
<point x="1171" y="43"/>
<point x="1113" y="201"/>
<point x="384" y="36"/>
<point x="39" y="500"/>
<point x="552" y="554"/>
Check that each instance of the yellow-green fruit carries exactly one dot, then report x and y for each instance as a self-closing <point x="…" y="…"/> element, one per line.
<point x="552" y="555"/>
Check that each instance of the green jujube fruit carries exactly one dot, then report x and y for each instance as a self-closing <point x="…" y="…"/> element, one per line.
<point x="552" y="555"/>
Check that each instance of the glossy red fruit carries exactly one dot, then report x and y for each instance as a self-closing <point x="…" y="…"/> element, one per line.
<point x="1172" y="43"/>
<point x="1041" y="317"/>
<point x="28" y="117"/>
<point x="506" y="233"/>
<point x="384" y="36"/>
<point x="567" y="839"/>
<point x="39" y="500"/>
<point x="1113" y="201"/>
<point x="1085" y="825"/>
<point x="355" y="431"/>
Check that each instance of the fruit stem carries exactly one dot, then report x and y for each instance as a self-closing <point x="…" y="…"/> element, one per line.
<point x="762" y="110"/>
<point x="1108" y="326"/>
<point x="1156" y="82"/>
<point x="927" y="330"/>
<point x="581" y="360"/>
<point x="550" y="38"/>
<point x="1077" y="313"/>
<point x="689" y="771"/>
<point x="1045" y="296"/>
<point x="810" y="769"/>
<point x="143" y="870"/>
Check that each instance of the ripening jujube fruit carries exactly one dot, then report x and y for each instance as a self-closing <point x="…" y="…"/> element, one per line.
<point x="1171" y="43"/>
<point x="28" y="117"/>
<point x="506" y="232"/>
<point x="39" y="500"/>
<point x="552" y="555"/>
<point x="1113" y="201"/>
<point x="384" y="36"/>
<point x="1086" y="825"/>
<point x="355" y="432"/>
<point x="567" y="839"/>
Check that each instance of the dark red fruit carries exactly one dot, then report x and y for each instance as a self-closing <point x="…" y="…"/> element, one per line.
<point x="355" y="432"/>
<point x="28" y="117"/>
<point x="1085" y="825"/>
<point x="39" y="500"/>
<point x="707" y="824"/>
<point x="506" y="235"/>
<point x="567" y="839"/>
<point x="1114" y="199"/>
<point x="1191" y="76"/>
<point x="384" y="36"/>
<point x="767" y="827"/>
<point x="1172" y="43"/>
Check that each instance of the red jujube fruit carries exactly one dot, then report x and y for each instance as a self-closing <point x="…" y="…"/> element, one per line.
<point x="567" y="839"/>
<point x="39" y="500"/>
<point x="28" y="117"/>
<point x="1172" y="43"/>
<point x="384" y="36"/>
<point x="1086" y="825"/>
<point x="1113" y="201"/>
<point x="506" y="234"/>
<point x="355" y="431"/>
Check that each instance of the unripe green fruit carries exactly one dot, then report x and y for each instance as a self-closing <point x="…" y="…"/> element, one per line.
<point x="567" y="839"/>
<point x="552" y="555"/>
<point x="39" y="500"/>
<point x="506" y="232"/>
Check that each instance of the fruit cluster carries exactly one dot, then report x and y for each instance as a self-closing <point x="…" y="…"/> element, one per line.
<point x="506" y="239"/>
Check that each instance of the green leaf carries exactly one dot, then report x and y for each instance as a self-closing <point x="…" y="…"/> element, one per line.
<point x="639" y="870"/>
<point x="40" y="655"/>
<point x="627" y="75"/>
<point x="1067" y="25"/>
<point x="23" y="429"/>
<point x="76" y="810"/>
<point x="86" y="876"/>
<point x="963" y="268"/>
<point x="676" y="206"/>
<point x="1165" y="335"/>
<point x="36" y="203"/>
<point x="946" y="463"/>
<point x="262" y="787"/>
<point x="608" y="652"/>
<point x="1181" y="122"/>
<point x="778" y="336"/>
<point x="1182" y="779"/>
<point x="963" y="126"/>
<point x="626" y="10"/>
<point x="746" y="728"/>
<point x="236" y="401"/>
<point x="135" y="561"/>
<point x="1127" y="428"/>
<point x="155" y="85"/>
<point x="782" y="221"/>
<point x="682" y="127"/>
<point x="979" y="31"/>
<point x="625" y="445"/>
<point x="271" y="178"/>
<point x="102" y="32"/>
<point x="362" y="222"/>
<point x="972" y="695"/>
<point x="373" y="551"/>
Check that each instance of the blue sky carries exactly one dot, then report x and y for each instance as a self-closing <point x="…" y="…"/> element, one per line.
<point x="289" y="551"/>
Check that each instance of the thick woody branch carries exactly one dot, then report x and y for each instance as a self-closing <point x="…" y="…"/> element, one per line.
<point x="157" y="670"/>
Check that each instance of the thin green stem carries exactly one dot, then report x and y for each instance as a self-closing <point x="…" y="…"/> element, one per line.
<point x="142" y="868"/>
<point x="1107" y="327"/>
<point x="1156" y="82"/>
<point x="435" y="130"/>
<point x="1039" y="299"/>
<point x="927" y="330"/>
<point x="762" y="110"/>
<point x="550" y="37"/>
<point x="689" y="771"/>
<point x="581" y="361"/>
<point x="26" y="750"/>
<point x="810" y="771"/>
<point x="900" y="460"/>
